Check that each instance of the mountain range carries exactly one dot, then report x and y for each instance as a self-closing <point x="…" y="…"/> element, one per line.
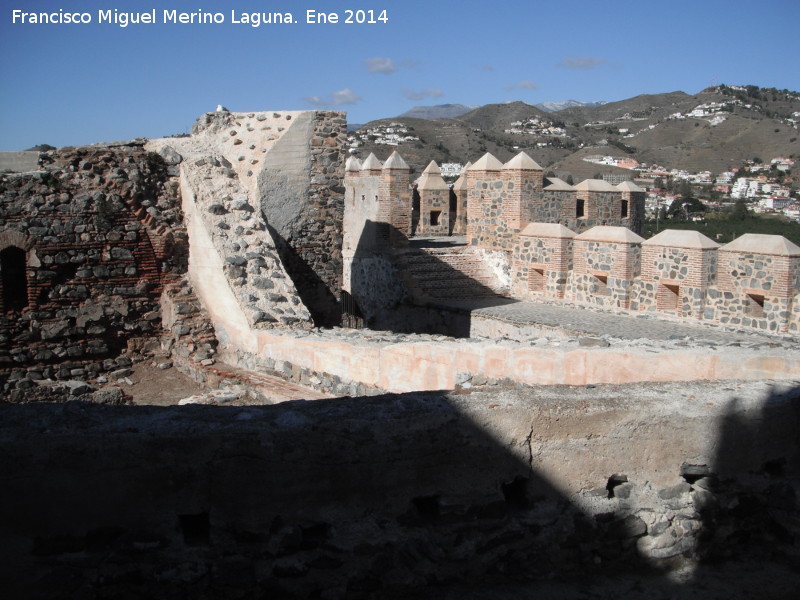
<point x="715" y="130"/>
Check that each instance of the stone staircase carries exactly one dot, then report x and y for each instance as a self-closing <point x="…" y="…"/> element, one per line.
<point x="432" y="274"/>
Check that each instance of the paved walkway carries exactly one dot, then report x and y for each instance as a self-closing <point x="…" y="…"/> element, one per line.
<point x="595" y="322"/>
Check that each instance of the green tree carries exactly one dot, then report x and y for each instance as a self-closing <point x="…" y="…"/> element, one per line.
<point x="740" y="211"/>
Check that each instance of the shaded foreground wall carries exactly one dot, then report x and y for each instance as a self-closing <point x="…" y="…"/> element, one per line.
<point x="363" y="497"/>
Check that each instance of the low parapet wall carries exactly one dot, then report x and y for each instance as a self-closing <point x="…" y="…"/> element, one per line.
<point x="397" y="495"/>
<point x="753" y="281"/>
<point x="403" y="363"/>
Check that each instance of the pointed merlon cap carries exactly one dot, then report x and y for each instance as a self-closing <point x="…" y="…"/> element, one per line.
<point x="554" y="184"/>
<point x="595" y="185"/>
<point x="461" y="183"/>
<point x="607" y="233"/>
<point x="432" y="169"/>
<point x="371" y="163"/>
<point x="522" y="162"/>
<point x="761" y="243"/>
<point x="395" y="161"/>
<point x="629" y="186"/>
<point x="547" y="230"/>
<point x="681" y="238"/>
<point x="432" y="178"/>
<point x="487" y="162"/>
<point x="352" y="164"/>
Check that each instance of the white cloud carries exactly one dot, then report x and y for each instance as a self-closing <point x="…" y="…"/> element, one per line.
<point x="421" y="94"/>
<point x="337" y="98"/>
<point x="380" y="65"/>
<point x="526" y="84"/>
<point x="584" y="63"/>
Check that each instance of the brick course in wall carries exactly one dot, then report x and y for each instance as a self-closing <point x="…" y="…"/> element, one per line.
<point x="98" y="232"/>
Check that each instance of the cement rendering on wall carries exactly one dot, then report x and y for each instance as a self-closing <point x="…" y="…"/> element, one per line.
<point x="247" y="258"/>
<point x="417" y="362"/>
<point x="283" y="180"/>
<point x="19" y="162"/>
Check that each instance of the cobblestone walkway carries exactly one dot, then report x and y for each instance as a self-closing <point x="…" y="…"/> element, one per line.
<point x="594" y="322"/>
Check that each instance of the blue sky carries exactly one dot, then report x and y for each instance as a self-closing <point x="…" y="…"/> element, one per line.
<point x="77" y="84"/>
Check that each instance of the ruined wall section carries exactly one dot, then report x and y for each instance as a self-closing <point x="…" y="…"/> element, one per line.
<point x="291" y="166"/>
<point x="99" y="231"/>
<point x="234" y="261"/>
<point x="301" y="191"/>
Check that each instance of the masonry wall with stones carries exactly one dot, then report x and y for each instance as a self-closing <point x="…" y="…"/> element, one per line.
<point x="87" y="244"/>
<point x="751" y="282"/>
<point x="604" y="268"/>
<point x="290" y="166"/>
<point x="542" y="260"/>
<point x="434" y="203"/>
<point x="493" y="202"/>
<point x="401" y="495"/>
<point x="375" y="221"/>
<point x="504" y="198"/>
<point x="606" y="264"/>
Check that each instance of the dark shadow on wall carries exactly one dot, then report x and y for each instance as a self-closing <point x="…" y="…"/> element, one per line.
<point x="748" y="499"/>
<point x="315" y="294"/>
<point x="421" y="495"/>
<point x="403" y="288"/>
<point x="390" y="496"/>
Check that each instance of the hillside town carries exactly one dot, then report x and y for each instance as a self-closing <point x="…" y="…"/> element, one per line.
<point x="766" y="187"/>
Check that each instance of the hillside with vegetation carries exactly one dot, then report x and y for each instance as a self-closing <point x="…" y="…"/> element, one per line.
<point x="714" y="130"/>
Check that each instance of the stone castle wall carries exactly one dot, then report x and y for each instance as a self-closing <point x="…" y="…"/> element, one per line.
<point x="399" y="496"/>
<point x="602" y="262"/>
<point x="494" y="202"/>
<point x="290" y="167"/>
<point x="751" y="282"/>
<point x="87" y="244"/>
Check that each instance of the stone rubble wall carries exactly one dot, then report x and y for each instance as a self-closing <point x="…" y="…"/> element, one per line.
<point x="618" y="263"/>
<point x="101" y="231"/>
<point x="674" y="281"/>
<point x="393" y="495"/>
<point x="692" y="270"/>
<point x="541" y="265"/>
<point x="239" y="247"/>
<point x="289" y="166"/>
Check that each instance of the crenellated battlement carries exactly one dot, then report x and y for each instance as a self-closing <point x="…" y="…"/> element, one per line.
<point x="577" y="243"/>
